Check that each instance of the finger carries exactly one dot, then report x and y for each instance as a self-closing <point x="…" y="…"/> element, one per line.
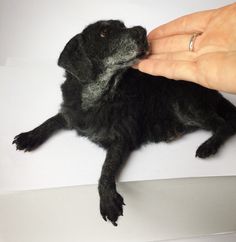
<point x="178" y="70"/>
<point x="181" y="56"/>
<point x="187" y="24"/>
<point x="172" y="44"/>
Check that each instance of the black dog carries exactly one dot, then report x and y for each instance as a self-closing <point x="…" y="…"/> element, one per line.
<point x="120" y="108"/>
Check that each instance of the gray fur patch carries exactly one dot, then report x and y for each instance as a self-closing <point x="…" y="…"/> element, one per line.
<point x="93" y="91"/>
<point x="184" y="118"/>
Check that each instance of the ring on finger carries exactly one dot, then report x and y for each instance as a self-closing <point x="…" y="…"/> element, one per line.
<point x="192" y="41"/>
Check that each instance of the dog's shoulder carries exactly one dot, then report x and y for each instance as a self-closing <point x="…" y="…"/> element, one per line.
<point x="71" y="89"/>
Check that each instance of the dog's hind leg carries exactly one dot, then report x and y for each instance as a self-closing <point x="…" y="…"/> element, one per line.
<point x="228" y="112"/>
<point x="221" y="132"/>
<point x="223" y="125"/>
<point x="29" y="141"/>
<point x="211" y="146"/>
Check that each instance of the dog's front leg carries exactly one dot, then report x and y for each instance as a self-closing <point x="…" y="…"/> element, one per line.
<point x="31" y="140"/>
<point x="111" y="202"/>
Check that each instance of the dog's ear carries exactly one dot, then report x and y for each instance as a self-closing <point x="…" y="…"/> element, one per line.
<point x="74" y="59"/>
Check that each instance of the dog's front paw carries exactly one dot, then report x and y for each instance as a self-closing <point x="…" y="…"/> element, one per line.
<point x="27" y="141"/>
<point x="111" y="206"/>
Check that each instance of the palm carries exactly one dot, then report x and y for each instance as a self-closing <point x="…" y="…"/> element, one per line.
<point x="212" y="64"/>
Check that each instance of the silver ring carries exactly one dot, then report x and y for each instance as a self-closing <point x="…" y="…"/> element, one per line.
<point x="192" y="40"/>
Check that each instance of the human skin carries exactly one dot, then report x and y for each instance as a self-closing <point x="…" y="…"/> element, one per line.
<point x="211" y="64"/>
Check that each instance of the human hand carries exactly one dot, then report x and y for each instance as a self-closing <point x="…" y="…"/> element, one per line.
<point x="212" y="63"/>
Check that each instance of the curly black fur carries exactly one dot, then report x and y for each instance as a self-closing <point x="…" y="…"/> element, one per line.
<point x="120" y="108"/>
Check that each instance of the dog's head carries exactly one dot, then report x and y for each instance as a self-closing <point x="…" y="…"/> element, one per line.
<point x="101" y="46"/>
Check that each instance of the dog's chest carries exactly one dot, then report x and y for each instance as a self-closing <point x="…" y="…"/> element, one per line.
<point x="93" y="132"/>
<point x="96" y="126"/>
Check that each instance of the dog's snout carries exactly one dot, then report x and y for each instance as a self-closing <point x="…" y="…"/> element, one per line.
<point x="139" y="31"/>
<point x="140" y="35"/>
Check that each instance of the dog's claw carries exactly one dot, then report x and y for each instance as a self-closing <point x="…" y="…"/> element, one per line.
<point x="28" y="141"/>
<point x="111" y="206"/>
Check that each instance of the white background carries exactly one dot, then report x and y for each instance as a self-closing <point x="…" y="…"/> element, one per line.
<point x="32" y="34"/>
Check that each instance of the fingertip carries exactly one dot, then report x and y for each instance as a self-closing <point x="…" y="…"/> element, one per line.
<point x="149" y="36"/>
<point x="156" y="33"/>
<point x="145" y="66"/>
<point x="153" y="34"/>
<point x="135" y="66"/>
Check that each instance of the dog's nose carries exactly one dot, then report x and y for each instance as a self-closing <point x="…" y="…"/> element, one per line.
<point x="140" y="36"/>
<point x="139" y="31"/>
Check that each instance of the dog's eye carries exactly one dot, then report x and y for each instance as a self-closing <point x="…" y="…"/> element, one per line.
<point x="103" y="33"/>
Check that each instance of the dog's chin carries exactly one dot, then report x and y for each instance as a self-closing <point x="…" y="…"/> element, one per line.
<point x="140" y="55"/>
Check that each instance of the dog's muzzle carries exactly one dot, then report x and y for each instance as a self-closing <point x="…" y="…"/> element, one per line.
<point x="140" y="36"/>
